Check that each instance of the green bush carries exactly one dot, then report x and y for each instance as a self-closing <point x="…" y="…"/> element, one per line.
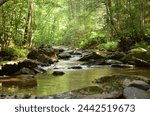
<point x="141" y="45"/>
<point x="110" y="45"/>
<point x="16" y="52"/>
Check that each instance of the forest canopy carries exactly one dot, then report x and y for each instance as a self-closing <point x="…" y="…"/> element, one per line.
<point x="108" y="24"/>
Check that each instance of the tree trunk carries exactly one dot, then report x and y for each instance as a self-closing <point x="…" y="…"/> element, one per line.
<point x="28" y="28"/>
<point x="142" y="19"/>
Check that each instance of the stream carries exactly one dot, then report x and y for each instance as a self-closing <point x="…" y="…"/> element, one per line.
<point x="72" y="79"/>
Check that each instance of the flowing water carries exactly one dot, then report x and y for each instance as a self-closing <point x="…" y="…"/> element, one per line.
<point x="72" y="79"/>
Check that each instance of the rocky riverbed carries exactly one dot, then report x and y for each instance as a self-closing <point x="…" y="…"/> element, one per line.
<point x="86" y="70"/>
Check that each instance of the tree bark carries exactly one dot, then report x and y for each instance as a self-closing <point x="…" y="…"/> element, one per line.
<point x="2" y="2"/>
<point x="28" y="28"/>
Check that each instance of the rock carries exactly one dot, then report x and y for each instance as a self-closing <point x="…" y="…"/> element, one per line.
<point x="25" y="70"/>
<point x="64" y="55"/>
<point x="138" y="57"/>
<point x="148" y="50"/>
<point x="117" y="55"/>
<point x="75" y="67"/>
<point x="96" y="62"/>
<point x="122" y="65"/>
<point x="135" y="93"/>
<point x="44" y="55"/>
<point x="137" y="50"/>
<point x="141" y="63"/>
<point x="10" y="69"/>
<point x="139" y="84"/>
<point x="91" y="56"/>
<point x="74" y="52"/>
<point x="111" y="61"/>
<point x="91" y="92"/>
<point x="21" y="81"/>
<point x="120" y="79"/>
<point x="58" y="73"/>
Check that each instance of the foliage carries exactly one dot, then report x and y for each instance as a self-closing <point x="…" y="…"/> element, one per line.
<point x="110" y="45"/>
<point x="76" y="23"/>
<point x="16" y="51"/>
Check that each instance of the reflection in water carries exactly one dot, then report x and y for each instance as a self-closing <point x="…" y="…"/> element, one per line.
<point x="73" y="79"/>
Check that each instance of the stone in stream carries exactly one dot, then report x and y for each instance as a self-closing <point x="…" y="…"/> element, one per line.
<point x="91" y="56"/>
<point x="64" y="56"/>
<point x="135" y="93"/>
<point x="120" y="79"/>
<point x="111" y="61"/>
<point x="90" y="92"/>
<point x="58" y="73"/>
<point x="75" y="67"/>
<point x="139" y="84"/>
<point x="25" y="70"/>
<point x="122" y="65"/>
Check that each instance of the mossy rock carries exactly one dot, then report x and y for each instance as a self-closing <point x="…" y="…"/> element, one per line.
<point x="120" y="79"/>
<point x="89" y="90"/>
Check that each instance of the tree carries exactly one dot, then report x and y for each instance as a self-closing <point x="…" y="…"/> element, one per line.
<point x="28" y="27"/>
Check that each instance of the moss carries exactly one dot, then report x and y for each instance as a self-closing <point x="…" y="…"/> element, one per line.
<point x="90" y="90"/>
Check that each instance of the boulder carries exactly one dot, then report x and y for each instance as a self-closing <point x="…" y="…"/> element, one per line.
<point x="91" y="56"/>
<point x="58" y="73"/>
<point x="135" y="93"/>
<point x="10" y="69"/>
<point x="90" y="92"/>
<point x="139" y="84"/>
<point x="122" y="65"/>
<point x="64" y="55"/>
<point x="120" y="79"/>
<point x="75" y="67"/>
<point x="43" y="55"/>
<point x="96" y="62"/>
<point x="111" y="61"/>
<point x="138" y="57"/>
<point x="25" y="70"/>
<point x="117" y="55"/>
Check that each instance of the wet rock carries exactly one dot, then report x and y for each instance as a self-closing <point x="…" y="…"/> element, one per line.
<point x="135" y="93"/>
<point x="111" y="61"/>
<point x="139" y="84"/>
<point x="74" y="52"/>
<point x="25" y="70"/>
<point x="75" y="67"/>
<point x="97" y="62"/>
<point x="91" y="56"/>
<point x="58" y="73"/>
<point x="123" y="65"/>
<point x="120" y="78"/>
<point x="64" y="56"/>
<point x="21" y="81"/>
